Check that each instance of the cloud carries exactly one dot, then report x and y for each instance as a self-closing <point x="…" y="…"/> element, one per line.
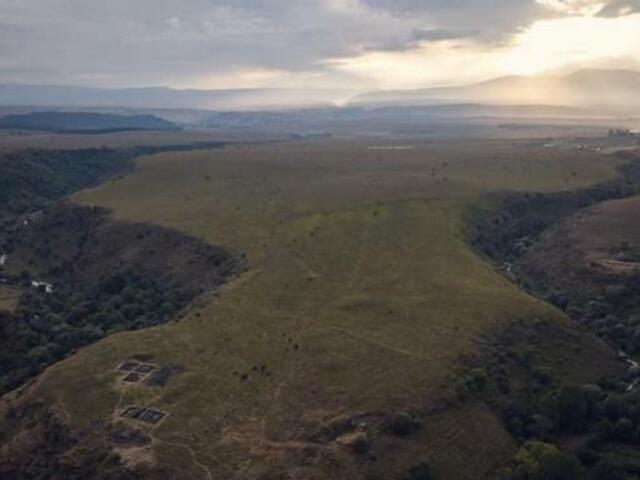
<point x="619" y="8"/>
<point x="161" y="41"/>
<point x="604" y="8"/>
<point x="486" y="18"/>
<point x="439" y="34"/>
<point x="245" y="42"/>
<point x="550" y="45"/>
<point x="573" y="7"/>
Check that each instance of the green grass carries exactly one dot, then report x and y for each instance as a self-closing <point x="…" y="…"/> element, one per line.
<point x="357" y="257"/>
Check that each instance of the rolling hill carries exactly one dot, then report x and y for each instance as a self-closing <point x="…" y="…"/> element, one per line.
<point x="363" y="303"/>
<point x="84" y="122"/>
<point x="160" y="97"/>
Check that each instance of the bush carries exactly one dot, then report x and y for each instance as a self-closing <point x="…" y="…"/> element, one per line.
<point x="421" y="471"/>
<point x="540" y="427"/>
<point x="623" y="430"/>
<point x="114" y="283"/>
<point x="607" y="470"/>
<point x="361" y="444"/>
<point x="572" y="409"/>
<point x="604" y="431"/>
<point x="472" y="383"/>
<point x="514" y="416"/>
<point x="544" y="375"/>
<point x="404" y="424"/>
<point x="542" y="461"/>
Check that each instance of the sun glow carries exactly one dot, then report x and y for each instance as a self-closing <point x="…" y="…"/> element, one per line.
<point x="573" y="7"/>
<point x="552" y="44"/>
<point x="546" y="45"/>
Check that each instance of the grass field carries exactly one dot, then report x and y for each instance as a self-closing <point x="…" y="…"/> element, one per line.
<point x="12" y="142"/>
<point x="609" y="233"/>
<point x="361" y="297"/>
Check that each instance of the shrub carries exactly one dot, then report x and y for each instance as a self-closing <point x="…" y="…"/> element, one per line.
<point x="623" y="430"/>
<point x="604" y="431"/>
<point x="421" y="471"/>
<point x="607" y="470"/>
<point x="361" y="444"/>
<point x="404" y="424"/>
<point x="544" y="375"/>
<point x="572" y="408"/>
<point x="542" y="461"/>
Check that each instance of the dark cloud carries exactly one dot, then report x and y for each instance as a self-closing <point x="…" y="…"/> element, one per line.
<point x="439" y="34"/>
<point x="162" y="41"/>
<point x="485" y="17"/>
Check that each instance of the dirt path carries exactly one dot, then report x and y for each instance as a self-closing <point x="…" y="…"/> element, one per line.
<point x="375" y="343"/>
<point x="192" y="452"/>
<point x="620" y="266"/>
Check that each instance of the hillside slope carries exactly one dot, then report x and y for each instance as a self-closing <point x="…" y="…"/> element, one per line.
<point x="84" y="122"/>
<point x="362" y="302"/>
<point x="94" y="277"/>
<point x="160" y="97"/>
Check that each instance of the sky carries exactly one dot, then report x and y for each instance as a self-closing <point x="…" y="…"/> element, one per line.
<point x="340" y="45"/>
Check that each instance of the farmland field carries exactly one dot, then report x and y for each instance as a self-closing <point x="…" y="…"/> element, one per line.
<point x="361" y="299"/>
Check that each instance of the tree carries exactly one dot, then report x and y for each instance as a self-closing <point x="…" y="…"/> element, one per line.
<point x="540" y="427"/>
<point x="572" y="408"/>
<point x="542" y="461"/>
<point x="607" y="470"/>
<point x="404" y="424"/>
<point x="421" y="471"/>
<point x="114" y="283"/>
<point x="614" y="407"/>
<point x="514" y="415"/>
<point x="623" y="430"/>
<point x="25" y="278"/>
<point x="604" y="431"/>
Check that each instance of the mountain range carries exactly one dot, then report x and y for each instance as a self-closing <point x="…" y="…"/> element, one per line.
<point x="610" y="89"/>
<point x="84" y="122"/>
<point x="53" y="96"/>
<point x="591" y="89"/>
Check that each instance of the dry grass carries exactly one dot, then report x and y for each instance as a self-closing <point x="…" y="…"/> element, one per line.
<point x="606" y="227"/>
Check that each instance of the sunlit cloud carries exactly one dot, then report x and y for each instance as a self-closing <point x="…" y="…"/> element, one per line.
<point x="545" y="46"/>
<point x="574" y="7"/>
<point x="552" y="44"/>
<point x="429" y="64"/>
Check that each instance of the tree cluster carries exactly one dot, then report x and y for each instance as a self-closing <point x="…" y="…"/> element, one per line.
<point x="47" y="327"/>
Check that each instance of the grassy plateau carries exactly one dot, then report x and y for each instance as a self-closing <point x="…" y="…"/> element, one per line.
<point x="360" y="298"/>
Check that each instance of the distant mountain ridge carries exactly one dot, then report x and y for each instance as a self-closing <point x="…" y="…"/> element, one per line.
<point x="84" y="122"/>
<point x="160" y="97"/>
<point x="615" y="89"/>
